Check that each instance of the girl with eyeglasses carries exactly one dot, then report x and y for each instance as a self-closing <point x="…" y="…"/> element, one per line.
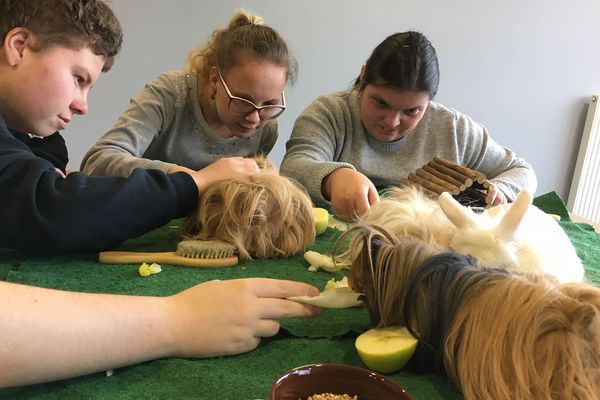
<point x="224" y="104"/>
<point x="346" y="145"/>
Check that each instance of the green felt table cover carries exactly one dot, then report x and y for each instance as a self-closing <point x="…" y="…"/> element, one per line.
<point x="327" y="339"/>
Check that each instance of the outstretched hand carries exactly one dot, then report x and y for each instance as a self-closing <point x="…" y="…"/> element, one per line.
<point x="350" y="192"/>
<point x="230" y="317"/>
<point x="54" y="334"/>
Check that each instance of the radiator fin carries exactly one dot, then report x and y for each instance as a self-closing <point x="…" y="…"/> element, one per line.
<point x="584" y="196"/>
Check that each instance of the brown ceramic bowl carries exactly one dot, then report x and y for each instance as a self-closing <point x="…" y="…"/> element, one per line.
<point x="305" y="381"/>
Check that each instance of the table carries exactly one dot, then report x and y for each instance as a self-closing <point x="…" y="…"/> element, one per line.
<point x="577" y="218"/>
<point x="327" y="339"/>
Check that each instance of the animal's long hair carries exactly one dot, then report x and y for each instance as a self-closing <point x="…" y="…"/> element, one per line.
<point x="265" y="215"/>
<point x="408" y="212"/>
<point x="517" y="236"/>
<point x="381" y="267"/>
<point x="495" y="334"/>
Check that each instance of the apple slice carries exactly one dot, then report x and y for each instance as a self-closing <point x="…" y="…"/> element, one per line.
<point x="321" y="220"/>
<point x="386" y="350"/>
<point x="342" y="297"/>
<point x="337" y="294"/>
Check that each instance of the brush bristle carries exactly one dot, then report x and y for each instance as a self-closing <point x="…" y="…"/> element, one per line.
<point x="205" y="249"/>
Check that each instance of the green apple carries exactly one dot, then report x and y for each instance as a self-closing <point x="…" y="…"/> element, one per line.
<point x="386" y="350"/>
<point x="321" y="220"/>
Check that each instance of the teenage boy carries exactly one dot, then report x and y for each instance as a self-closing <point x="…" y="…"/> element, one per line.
<point x="52" y="53"/>
<point x="51" y="57"/>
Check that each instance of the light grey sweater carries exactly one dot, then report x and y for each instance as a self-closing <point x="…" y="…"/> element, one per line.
<point x="164" y="126"/>
<point x="329" y="135"/>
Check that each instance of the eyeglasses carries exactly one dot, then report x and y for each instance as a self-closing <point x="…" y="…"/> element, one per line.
<point x="241" y="106"/>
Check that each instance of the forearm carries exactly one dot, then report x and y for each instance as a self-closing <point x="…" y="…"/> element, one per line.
<point x="312" y="175"/>
<point x="314" y="149"/>
<point x="310" y="155"/>
<point x="516" y="180"/>
<point x="104" y="160"/>
<point x="120" y="150"/>
<point x="51" y="214"/>
<point x="509" y="173"/>
<point x="48" y="335"/>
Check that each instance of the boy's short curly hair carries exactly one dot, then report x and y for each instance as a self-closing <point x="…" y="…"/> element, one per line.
<point x="72" y="23"/>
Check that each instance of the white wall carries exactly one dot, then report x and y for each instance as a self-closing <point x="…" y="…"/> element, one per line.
<point x="525" y="69"/>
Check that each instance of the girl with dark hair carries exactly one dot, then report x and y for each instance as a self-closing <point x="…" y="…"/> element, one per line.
<point x="348" y="144"/>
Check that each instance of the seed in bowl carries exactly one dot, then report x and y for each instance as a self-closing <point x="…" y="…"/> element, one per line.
<point x="331" y="396"/>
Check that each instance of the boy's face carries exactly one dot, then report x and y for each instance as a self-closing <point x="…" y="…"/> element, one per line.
<point x="53" y="85"/>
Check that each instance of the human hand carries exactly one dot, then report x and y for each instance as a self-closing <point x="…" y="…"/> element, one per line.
<point x="498" y="196"/>
<point x="350" y="192"/>
<point x="223" y="168"/>
<point x="229" y="317"/>
<point x="60" y="172"/>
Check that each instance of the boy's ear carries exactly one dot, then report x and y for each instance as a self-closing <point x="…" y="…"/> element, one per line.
<point x="15" y="42"/>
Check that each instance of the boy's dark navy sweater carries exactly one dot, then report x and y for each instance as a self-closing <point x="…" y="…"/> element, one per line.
<point x="43" y="213"/>
<point x="51" y="148"/>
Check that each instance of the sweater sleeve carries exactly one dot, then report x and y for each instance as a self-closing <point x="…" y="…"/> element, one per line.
<point x="268" y="137"/>
<point x="509" y="173"/>
<point x="315" y="144"/>
<point x="43" y="213"/>
<point x="119" y="151"/>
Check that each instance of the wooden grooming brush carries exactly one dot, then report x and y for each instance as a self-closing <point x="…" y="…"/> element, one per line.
<point x="189" y="253"/>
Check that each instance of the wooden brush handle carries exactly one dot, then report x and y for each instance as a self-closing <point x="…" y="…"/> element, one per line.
<point x="168" y="257"/>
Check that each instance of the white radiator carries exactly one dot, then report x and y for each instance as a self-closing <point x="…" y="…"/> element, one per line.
<point x="584" y="197"/>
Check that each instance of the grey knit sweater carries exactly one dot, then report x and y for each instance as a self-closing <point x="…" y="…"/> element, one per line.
<point x="164" y="126"/>
<point x="329" y="135"/>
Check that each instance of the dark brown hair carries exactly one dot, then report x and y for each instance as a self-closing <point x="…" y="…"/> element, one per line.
<point x="405" y="60"/>
<point x="72" y="23"/>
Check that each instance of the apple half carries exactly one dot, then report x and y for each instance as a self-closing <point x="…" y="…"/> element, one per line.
<point x="386" y="350"/>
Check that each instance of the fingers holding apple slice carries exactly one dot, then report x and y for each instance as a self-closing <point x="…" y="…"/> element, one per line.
<point x="337" y="294"/>
<point x="332" y="298"/>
